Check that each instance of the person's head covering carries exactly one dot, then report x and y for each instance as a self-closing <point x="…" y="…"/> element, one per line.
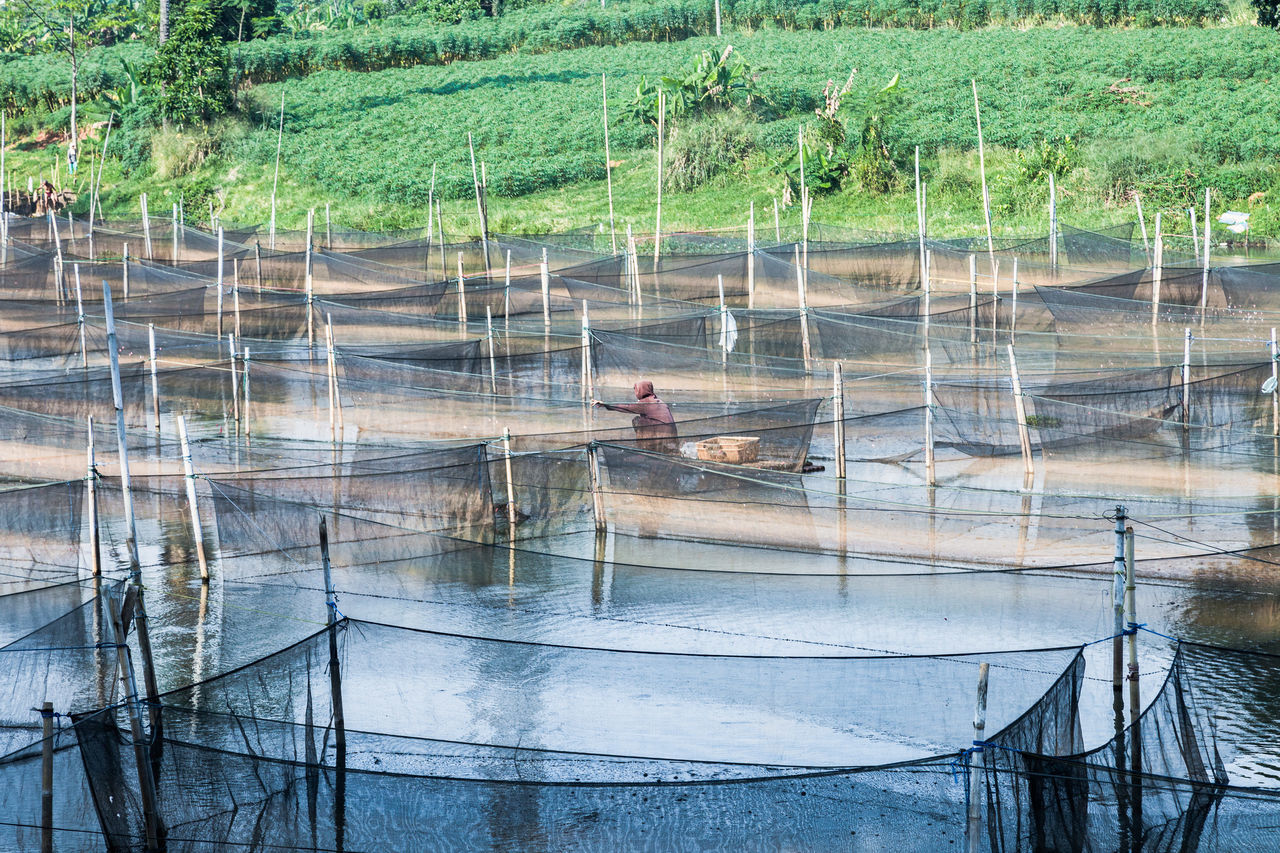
<point x="644" y="388"/>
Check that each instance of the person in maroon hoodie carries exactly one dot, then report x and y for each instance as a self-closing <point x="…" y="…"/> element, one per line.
<point x="654" y="425"/>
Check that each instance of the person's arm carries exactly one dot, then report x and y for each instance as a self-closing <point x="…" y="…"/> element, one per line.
<point x="629" y="408"/>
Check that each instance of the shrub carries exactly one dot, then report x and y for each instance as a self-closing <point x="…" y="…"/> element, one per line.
<point x="700" y="151"/>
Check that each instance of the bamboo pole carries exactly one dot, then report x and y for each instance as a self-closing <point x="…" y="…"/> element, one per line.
<point x="475" y="180"/>
<point x="244" y="377"/>
<point x="597" y="497"/>
<point x="930" y="468"/>
<point x="193" y="507"/>
<point x="275" y="182"/>
<point x="308" y="287"/>
<point x="1053" y="223"/>
<point x="131" y="527"/>
<point x="1013" y="303"/>
<point x="46" y="778"/>
<point x="837" y="405"/>
<point x="724" y="326"/>
<point x="1131" y="629"/>
<point x="588" y="380"/>
<point x="803" y="305"/>
<point x="1024" y="434"/>
<point x="155" y="386"/>
<point x="544" y="274"/>
<point x="91" y="490"/>
<point x="257" y="262"/>
<point x="173" y="229"/>
<point x="335" y="676"/>
<point x="982" y="168"/>
<point x="1157" y="272"/>
<point x="662" y="132"/>
<point x="973" y="299"/>
<point x="512" y="512"/>
<point x="235" y="380"/>
<point x="1204" y="278"/>
<point x="974" y="836"/>
<point x="440" y="232"/>
<point x="1142" y="226"/>
<point x="608" y="165"/>
<point x="506" y="298"/>
<point x="1117" y="608"/>
<point x="1275" y="391"/>
<point x="84" y="348"/>
<point x="124" y="265"/>
<point x="1186" y="379"/>
<point x="462" y="301"/>
<point x="751" y="257"/>
<point x="919" y="214"/>
<point x="152" y="825"/>
<point x="488" y="334"/>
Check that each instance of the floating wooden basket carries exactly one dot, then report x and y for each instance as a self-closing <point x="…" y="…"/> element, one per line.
<point x="734" y="449"/>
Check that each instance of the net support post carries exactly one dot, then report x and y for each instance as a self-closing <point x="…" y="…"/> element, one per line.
<point x="124" y="272"/>
<point x="46" y="778"/>
<point x="488" y="336"/>
<point x="608" y="165"/>
<point x="146" y="226"/>
<point x="1013" y="303"/>
<point x="1275" y="390"/>
<point x="837" y="407"/>
<point x="335" y="675"/>
<point x="173" y="234"/>
<point x="662" y="132"/>
<point x="1204" y="274"/>
<point x="193" y="507"/>
<point x="91" y="492"/>
<point x="1157" y="271"/>
<point x="544" y="275"/>
<point x="597" y="495"/>
<point x="462" y="301"/>
<point x="153" y="827"/>
<point x="724" y="327"/>
<point x="973" y="837"/>
<point x="235" y="380"/>
<point x="336" y="425"/>
<point x="84" y="348"/>
<point x="1119" y="572"/>
<point x="803" y="305"/>
<point x="973" y="299"/>
<point x="930" y="468"/>
<point x="1142" y="226"/>
<point x="257" y="264"/>
<point x="1053" y="223"/>
<point x="244" y="377"/>
<point x="512" y="513"/>
<point x="1186" y="379"/>
<point x="506" y="300"/>
<point x="1195" y="232"/>
<point x="309" y="276"/>
<point x="155" y="385"/>
<point x="1020" y="406"/>
<point x="751" y="256"/>
<point x="480" y="212"/>
<point x="1131" y="608"/>
<point x="588" y="380"/>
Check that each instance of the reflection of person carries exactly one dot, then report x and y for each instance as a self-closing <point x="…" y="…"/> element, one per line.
<point x="654" y="425"/>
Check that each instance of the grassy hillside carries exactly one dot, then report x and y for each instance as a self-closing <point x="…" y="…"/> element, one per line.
<point x="1115" y="113"/>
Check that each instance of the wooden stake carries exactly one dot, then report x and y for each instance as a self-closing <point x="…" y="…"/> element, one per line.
<point x="234" y="359"/>
<point x="1024" y="434"/>
<point x="245" y="409"/>
<point x="488" y="335"/>
<point x="1275" y="391"/>
<point x="275" y="182"/>
<point x="982" y="168"/>
<point x="193" y="507"/>
<point x="588" y="380"/>
<point x="336" y="425"/>
<point x="155" y="386"/>
<point x="974" y="837"/>
<point x="1013" y="303"/>
<point x="235" y="294"/>
<point x="91" y="489"/>
<point x="475" y="180"/>
<point x="1053" y="223"/>
<point x="837" y="405"/>
<point x="597" y="498"/>
<point x="930" y="469"/>
<point x="973" y="299"/>
<point x="257" y="262"/>
<point x="512" y="514"/>
<point x="153" y="826"/>
<point x="84" y="349"/>
<point x="335" y="664"/>
<point x="146" y="226"/>
<point x="608" y="166"/>
<point x="1142" y="226"/>
<point x="131" y="527"/>
<point x="1131" y="629"/>
<point x="724" y="326"/>
<point x="751" y="257"/>
<point x="544" y="273"/>
<point x="1204" y="278"/>
<point x="173" y="234"/>
<point x="308" y="287"/>
<point x="804" y="312"/>
<point x="506" y="298"/>
<point x="1157" y="273"/>
<point x="1117" y="609"/>
<point x="46" y="779"/>
<point x="124" y="263"/>
<point x="462" y="300"/>
<point x="1186" y="379"/>
<point x="221" y="255"/>
<point x="662" y="132"/>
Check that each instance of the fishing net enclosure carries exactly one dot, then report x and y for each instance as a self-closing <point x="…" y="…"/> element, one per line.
<point x="778" y="537"/>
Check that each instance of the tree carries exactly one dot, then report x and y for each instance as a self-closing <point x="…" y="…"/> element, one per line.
<point x="193" y="67"/>
<point x="1268" y="12"/>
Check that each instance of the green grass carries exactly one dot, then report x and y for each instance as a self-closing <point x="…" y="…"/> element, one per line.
<point x="1200" y="113"/>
